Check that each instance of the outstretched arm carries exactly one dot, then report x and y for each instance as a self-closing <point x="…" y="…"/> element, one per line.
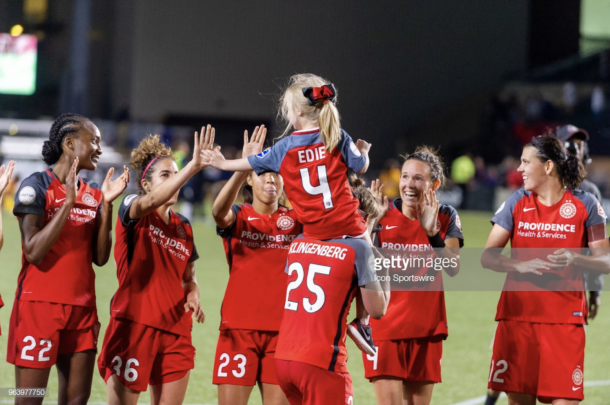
<point x="160" y="195"/>
<point x="191" y="293"/>
<point x="221" y="211"/>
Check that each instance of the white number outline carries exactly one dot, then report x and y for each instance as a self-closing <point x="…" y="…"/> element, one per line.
<point x="24" y="351"/>
<point x="131" y="374"/>
<point x="374" y="358"/>
<point x="311" y="286"/>
<point x="499" y="363"/>
<point x="46" y="349"/>
<point x="223" y="365"/>
<point x="322" y="188"/>
<point x="241" y="365"/>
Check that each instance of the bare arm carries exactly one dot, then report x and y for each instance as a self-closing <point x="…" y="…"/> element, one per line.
<point x="221" y="210"/>
<point x="5" y="177"/>
<point x="36" y="238"/>
<point x="364" y="148"/>
<point x="597" y="263"/>
<point x="493" y="259"/>
<point x="160" y="195"/>
<point x="191" y="293"/>
<point x="451" y="251"/>
<point x="111" y="189"/>
<point x="375" y="299"/>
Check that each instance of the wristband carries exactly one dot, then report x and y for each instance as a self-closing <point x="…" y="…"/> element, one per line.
<point x="436" y="241"/>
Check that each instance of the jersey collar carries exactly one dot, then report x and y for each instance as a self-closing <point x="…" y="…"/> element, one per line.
<point x="307" y="131"/>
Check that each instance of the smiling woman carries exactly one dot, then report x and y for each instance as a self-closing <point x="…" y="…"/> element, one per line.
<point x="65" y="225"/>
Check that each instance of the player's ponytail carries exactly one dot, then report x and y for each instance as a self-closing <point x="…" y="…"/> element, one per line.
<point x="570" y="170"/>
<point x="63" y="126"/>
<point x="366" y="199"/>
<point x="432" y="158"/>
<point x="145" y="157"/>
<point x="313" y="99"/>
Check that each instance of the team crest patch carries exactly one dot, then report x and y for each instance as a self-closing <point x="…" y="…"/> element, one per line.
<point x="567" y="210"/>
<point x="263" y="153"/>
<point x="285" y="223"/>
<point x="181" y="232"/>
<point x="27" y="195"/>
<point x="577" y="376"/>
<point x="600" y="210"/>
<point x="89" y="200"/>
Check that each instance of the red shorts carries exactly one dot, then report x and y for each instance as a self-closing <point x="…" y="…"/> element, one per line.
<point x="304" y="384"/>
<point x="244" y="357"/>
<point x="39" y="331"/>
<point x="140" y="355"/>
<point x="408" y="359"/>
<point x="543" y="360"/>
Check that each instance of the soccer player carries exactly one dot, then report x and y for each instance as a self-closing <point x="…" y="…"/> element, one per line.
<point x="410" y="336"/>
<point x="322" y="280"/>
<point x="6" y="171"/>
<point x="538" y="350"/>
<point x="313" y="160"/>
<point x="256" y="236"/>
<point x="576" y="143"/>
<point x="65" y="225"/>
<point x="148" y="339"/>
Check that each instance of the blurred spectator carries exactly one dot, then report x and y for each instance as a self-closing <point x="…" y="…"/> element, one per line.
<point x="390" y="178"/>
<point x="598" y="101"/>
<point x="569" y="97"/>
<point x="512" y="178"/>
<point x="462" y="170"/>
<point x="8" y="202"/>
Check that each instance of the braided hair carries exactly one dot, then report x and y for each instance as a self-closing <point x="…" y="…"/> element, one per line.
<point x="64" y="125"/>
<point x="569" y="169"/>
<point x="430" y="156"/>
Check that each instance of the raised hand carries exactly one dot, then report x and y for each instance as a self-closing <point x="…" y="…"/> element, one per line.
<point x="363" y="146"/>
<point x="111" y="189"/>
<point x="195" y="306"/>
<point x="427" y="212"/>
<point x="71" y="184"/>
<point x="562" y="257"/>
<point x="6" y="172"/>
<point x="203" y="143"/>
<point x="256" y="142"/>
<point x="377" y="190"/>
<point x="534" y="266"/>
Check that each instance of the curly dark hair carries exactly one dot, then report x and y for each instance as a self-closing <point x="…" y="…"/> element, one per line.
<point x="429" y="155"/>
<point x="64" y="125"/>
<point x="149" y="148"/>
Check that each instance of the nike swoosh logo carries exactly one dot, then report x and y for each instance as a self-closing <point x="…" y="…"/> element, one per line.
<point x="528" y="209"/>
<point x="252" y="218"/>
<point x="576" y="388"/>
<point x="390" y="227"/>
<point x="60" y="200"/>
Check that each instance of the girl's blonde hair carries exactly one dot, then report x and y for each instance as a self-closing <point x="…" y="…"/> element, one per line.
<point x="323" y="113"/>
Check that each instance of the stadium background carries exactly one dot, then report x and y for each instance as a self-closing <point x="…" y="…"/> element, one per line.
<point x="473" y="77"/>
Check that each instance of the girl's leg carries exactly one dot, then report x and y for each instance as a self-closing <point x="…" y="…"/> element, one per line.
<point x="519" y="398"/>
<point x="118" y="394"/>
<point x="272" y="394"/>
<point x="75" y="374"/>
<point x="388" y="391"/>
<point x="417" y="393"/>
<point x="229" y="394"/>
<point x="30" y="378"/>
<point x="171" y="393"/>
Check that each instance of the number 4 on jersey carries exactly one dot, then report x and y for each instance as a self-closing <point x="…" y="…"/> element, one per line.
<point x="323" y="188"/>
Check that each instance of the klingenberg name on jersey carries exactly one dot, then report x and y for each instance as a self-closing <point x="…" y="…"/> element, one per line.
<point x="320" y="250"/>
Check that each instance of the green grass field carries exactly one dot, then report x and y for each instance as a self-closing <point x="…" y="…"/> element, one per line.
<point x="467" y="351"/>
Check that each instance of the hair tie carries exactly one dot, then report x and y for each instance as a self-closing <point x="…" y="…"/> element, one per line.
<point x="148" y="166"/>
<point x="316" y="94"/>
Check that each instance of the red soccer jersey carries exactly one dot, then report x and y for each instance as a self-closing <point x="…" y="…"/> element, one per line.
<point x="534" y="225"/>
<point x="316" y="182"/>
<point x="256" y="246"/>
<point x="414" y="314"/>
<point x="151" y="258"/>
<point x="65" y="275"/>
<point x="322" y="281"/>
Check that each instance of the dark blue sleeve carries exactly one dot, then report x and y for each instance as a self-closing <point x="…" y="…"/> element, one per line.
<point x="124" y="210"/>
<point x="364" y="262"/>
<point x="352" y="156"/>
<point x="504" y="214"/>
<point x="270" y="159"/>
<point x="31" y="196"/>
<point x="454" y="230"/>
<point x="224" y="232"/>
<point x="195" y="255"/>
<point x="595" y="212"/>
